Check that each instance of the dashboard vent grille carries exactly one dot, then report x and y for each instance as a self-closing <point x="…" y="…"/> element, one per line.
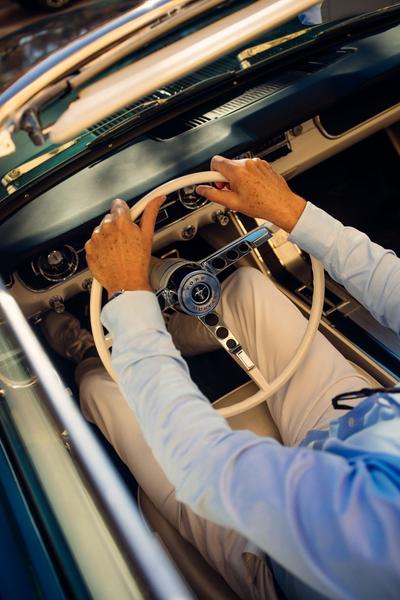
<point x="219" y="67"/>
<point x="119" y="117"/>
<point x="178" y="126"/>
<point x="252" y="95"/>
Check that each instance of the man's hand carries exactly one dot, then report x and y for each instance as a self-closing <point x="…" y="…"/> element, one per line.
<point x="255" y="189"/>
<point x="118" y="253"/>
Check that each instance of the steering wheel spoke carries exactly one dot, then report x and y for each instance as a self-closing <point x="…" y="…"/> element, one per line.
<point x="227" y="256"/>
<point x="229" y="342"/>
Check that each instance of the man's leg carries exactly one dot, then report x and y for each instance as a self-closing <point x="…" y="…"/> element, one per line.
<point x="270" y="329"/>
<point x="226" y="551"/>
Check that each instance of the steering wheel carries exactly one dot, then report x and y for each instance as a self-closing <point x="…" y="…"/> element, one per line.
<point x="194" y="289"/>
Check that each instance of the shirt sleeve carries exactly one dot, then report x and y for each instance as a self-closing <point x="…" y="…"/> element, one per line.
<point x="300" y="506"/>
<point x="369" y="272"/>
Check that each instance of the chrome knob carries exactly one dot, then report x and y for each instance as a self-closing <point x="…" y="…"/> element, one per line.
<point x="221" y="217"/>
<point x="55" y="257"/>
<point x="57" y="304"/>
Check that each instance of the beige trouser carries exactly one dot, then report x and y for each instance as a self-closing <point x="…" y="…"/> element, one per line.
<point x="270" y="328"/>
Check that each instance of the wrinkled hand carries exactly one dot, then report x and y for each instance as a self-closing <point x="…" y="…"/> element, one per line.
<point x="256" y="190"/>
<point x="118" y="253"/>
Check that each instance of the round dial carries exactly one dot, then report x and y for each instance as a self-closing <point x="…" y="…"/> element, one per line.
<point x="59" y="264"/>
<point x="190" y="199"/>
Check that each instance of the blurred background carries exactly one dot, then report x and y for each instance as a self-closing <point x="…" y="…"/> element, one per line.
<point x="15" y="14"/>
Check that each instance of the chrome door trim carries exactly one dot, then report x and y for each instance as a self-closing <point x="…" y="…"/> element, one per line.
<point x="120" y="513"/>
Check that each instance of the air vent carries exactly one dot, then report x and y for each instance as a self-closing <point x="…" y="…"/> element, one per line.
<point x="180" y="125"/>
<point x="118" y="118"/>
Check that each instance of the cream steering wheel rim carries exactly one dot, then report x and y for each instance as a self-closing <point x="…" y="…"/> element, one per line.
<point x="266" y="389"/>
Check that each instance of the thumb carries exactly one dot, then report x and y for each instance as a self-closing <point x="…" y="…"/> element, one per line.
<point x="149" y="217"/>
<point x="224" y="197"/>
<point x="225" y="166"/>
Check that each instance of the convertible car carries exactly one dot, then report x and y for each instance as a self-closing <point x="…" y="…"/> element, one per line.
<point x="131" y="100"/>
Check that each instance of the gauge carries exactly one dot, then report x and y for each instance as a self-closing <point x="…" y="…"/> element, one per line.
<point x="58" y="264"/>
<point x="190" y="199"/>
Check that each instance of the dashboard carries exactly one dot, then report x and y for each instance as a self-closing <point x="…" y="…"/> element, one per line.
<point x="294" y="120"/>
<point x="57" y="272"/>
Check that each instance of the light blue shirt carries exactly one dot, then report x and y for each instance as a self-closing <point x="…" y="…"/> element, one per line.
<point x="331" y="516"/>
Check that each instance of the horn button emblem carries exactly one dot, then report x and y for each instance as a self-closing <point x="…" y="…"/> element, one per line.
<point x="199" y="293"/>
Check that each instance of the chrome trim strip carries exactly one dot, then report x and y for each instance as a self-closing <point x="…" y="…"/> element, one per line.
<point x="17" y="172"/>
<point x="121" y="515"/>
<point x="330" y="136"/>
<point x="245" y="55"/>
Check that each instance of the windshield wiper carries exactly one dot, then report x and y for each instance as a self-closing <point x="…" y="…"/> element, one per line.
<point x="244" y="56"/>
<point x="145" y="110"/>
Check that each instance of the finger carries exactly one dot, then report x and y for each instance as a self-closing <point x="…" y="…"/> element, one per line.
<point x="120" y="209"/>
<point x="225" y="166"/>
<point x="88" y="248"/>
<point x="263" y="165"/>
<point x="96" y="233"/>
<point x="107" y="220"/>
<point x="149" y="217"/>
<point x="225" y="197"/>
<point x="220" y="185"/>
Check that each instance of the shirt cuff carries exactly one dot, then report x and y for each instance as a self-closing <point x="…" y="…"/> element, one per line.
<point x="134" y="311"/>
<point x="315" y="231"/>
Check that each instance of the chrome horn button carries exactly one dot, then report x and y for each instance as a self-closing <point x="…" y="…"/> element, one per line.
<point x="199" y="293"/>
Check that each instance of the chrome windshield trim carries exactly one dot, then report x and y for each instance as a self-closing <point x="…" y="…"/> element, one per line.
<point x="122" y="516"/>
<point x="74" y="54"/>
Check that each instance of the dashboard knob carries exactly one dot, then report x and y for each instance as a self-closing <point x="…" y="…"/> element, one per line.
<point x="58" y="264"/>
<point x="55" y="258"/>
<point x="57" y="304"/>
<point x="221" y="217"/>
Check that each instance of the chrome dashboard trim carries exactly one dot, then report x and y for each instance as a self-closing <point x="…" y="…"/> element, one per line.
<point x="330" y="136"/>
<point x="9" y="178"/>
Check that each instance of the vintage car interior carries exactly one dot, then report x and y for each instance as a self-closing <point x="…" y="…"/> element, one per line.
<point x="327" y="120"/>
